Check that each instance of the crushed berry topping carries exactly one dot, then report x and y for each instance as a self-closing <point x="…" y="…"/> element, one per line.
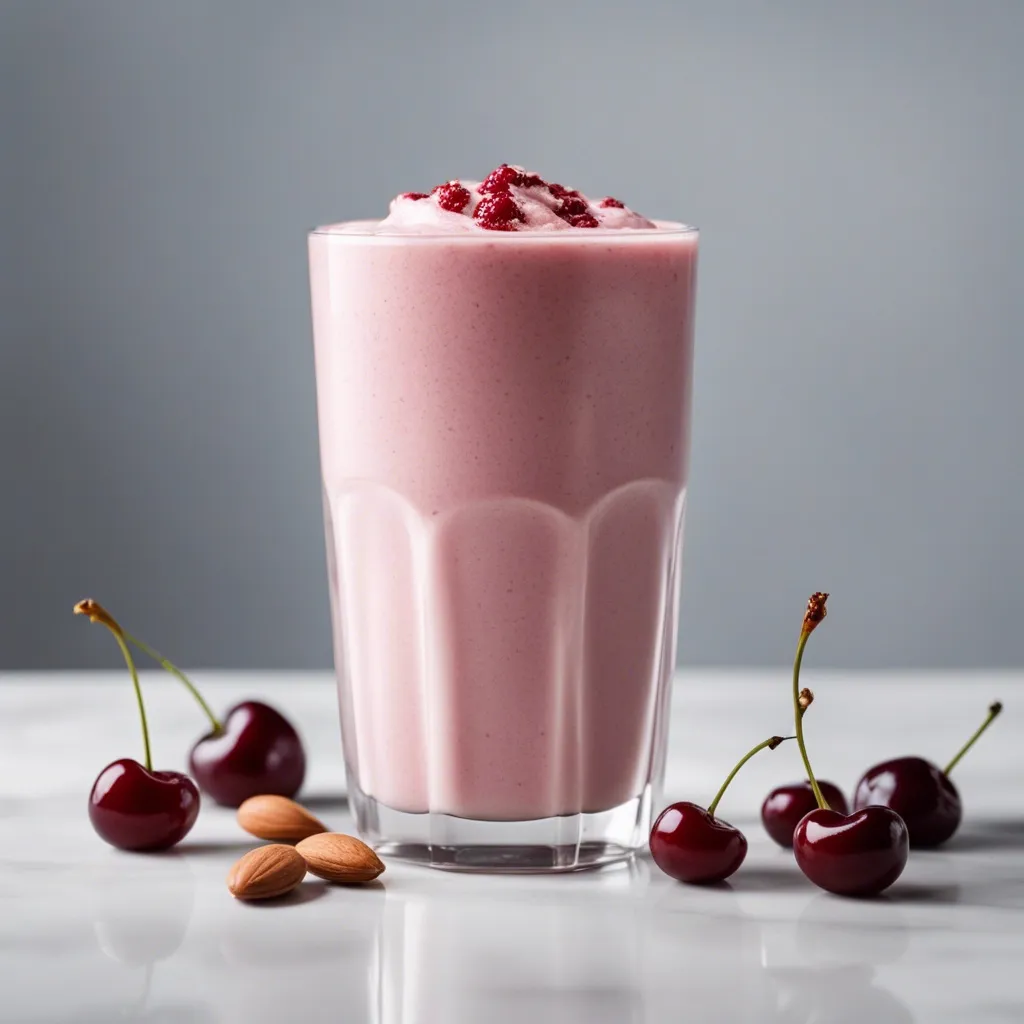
<point x="452" y="196"/>
<point x="498" y="212"/>
<point x="511" y="198"/>
<point x="571" y="206"/>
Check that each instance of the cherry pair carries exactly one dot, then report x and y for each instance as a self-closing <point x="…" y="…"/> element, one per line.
<point x="921" y="793"/>
<point x="858" y="854"/>
<point x="254" y="750"/>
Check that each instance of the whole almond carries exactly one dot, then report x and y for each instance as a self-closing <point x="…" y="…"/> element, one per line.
<point x="266" y="872"/>
<point x="277" y="818"/>
<point x="340" y="858"/>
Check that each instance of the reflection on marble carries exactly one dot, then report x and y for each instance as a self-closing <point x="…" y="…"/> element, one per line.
<point x="823" y="965"/>
<point x="320" y="954"/>
<point x="463" y="956"/>
<point x="139" y="928"/>
<point x="90" y="935"/>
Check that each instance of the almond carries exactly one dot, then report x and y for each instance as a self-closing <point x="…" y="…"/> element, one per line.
<point x="340" y="858"/>
<point x="277" y="818"/>
<point x="266" y="872"/>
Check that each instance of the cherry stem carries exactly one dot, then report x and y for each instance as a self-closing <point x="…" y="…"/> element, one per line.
<point x="106" y="619"/>
<point x="798" y="713"/>
<point x="169" y="666"/>
<point x="771" y="743"/>
<point x="993" y="713"/>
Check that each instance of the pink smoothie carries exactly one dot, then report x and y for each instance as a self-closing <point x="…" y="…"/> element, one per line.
<point x="504" y="443"/>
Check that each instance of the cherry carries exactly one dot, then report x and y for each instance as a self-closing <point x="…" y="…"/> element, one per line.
<point x="785" y="805"/>
<point x="608" y="202"/>
<point x="692" y="845"/>
<point x="920" y="792"/>
<point x="498" y="212"/>
<point x="499" y="179"/>
<point x="452" y="195"/>
<point x="255" y="750"/>
<point x="131" y="806"/>
<point x="858" y="854"/>
<point x="135" y="808"/>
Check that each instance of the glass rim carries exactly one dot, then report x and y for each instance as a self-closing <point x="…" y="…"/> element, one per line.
<point x="362" y="231"/>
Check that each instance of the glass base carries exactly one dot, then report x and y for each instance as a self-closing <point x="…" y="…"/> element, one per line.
<point x="571" y="842"/>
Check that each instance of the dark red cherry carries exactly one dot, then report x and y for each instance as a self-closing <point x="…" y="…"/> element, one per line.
<point x="785" y="805"/>
<point x="257" y="751"/>
<point x="919" y="792"/>
<point x="133" y="808"/>
<point x="689" y="843"/>
<point x="858" y="854"/>
<point x="693" y="846"/>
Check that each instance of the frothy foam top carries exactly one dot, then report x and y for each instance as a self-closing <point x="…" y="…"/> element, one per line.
<point x="508" y="199"/>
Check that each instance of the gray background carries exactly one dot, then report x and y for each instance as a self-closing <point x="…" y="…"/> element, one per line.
<point x="856" y="169"/>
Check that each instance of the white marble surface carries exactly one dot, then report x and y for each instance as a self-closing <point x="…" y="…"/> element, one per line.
<point x="88" y="934"/>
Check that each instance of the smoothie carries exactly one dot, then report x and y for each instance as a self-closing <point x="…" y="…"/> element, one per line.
<point x="504" y="402"/>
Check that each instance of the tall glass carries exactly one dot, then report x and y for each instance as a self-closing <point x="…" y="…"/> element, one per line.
<point x="504" y="438"/>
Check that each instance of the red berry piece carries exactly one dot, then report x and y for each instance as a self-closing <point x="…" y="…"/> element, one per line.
<point x="498" y="212"/>
<point x="583" y="220"/>
<point x="560" y="191"/>
<point x="571" y="206"/>
<point x="452" y="196"/>
<point x="609" y="203"/>
<point x="690" y="844"/>
<point x="499" y="180"/>
<point x="413" y="195"/>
